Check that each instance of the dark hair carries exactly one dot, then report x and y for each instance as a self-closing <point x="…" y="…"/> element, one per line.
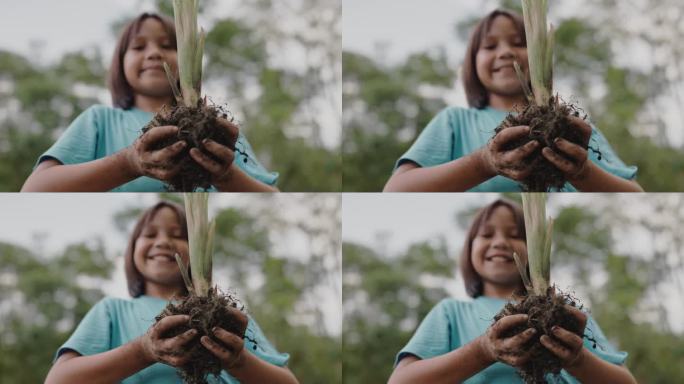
<point x="476" y="93"/>
<point x="135" y="280"/>
<point x="473" y="280"/>
<point x="121" y="91"/>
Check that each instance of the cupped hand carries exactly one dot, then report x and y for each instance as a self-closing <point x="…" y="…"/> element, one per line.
<point x="229" y="348"/>
<point x="220" y="166"/>
<point x="508" y="350"/>
<point x="158" y="348"/>
<point x="570" y="158"/>
<point x="498" y="160"/>
<point x="146" y="159"/>
<point x="567" y="346"/>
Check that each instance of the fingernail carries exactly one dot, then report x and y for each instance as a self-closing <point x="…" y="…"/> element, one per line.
<point x="554" y="328"/>
<point x="193" y="332"/>
<point x="531" y="331"/>
<point x="205" y="141"/>
<point x="181" y="144"/>
<point x="557" y="140"/>
<point x="215" y="329"/>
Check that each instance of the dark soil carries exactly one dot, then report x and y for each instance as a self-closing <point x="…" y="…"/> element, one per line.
<point x="544" y="312"/>
<point x="195" y="124"/>
<point x="215" y="310"/>
<point x="546" y="123"/>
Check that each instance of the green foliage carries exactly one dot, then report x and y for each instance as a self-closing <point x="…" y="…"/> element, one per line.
<point x="42" y="301"/>
<point x="384" y="113"/>
<point x="384" y="301"/>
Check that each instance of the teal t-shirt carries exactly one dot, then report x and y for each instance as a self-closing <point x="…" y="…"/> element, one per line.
<point x="101" y="131"/>
<point x="456" y="132"/>
<point x="453" y="323"/>
<point x="113" y="322"/>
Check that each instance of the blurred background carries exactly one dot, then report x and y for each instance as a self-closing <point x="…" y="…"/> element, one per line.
<point x="275" y="64"/>
<point x="620" y="254"/>
<point x="61" y="253"/>
<point x="621" y="61"/>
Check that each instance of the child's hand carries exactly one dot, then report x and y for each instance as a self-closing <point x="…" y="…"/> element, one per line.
<point x="567" y="346"/>
<point x="231" y="346"/>
<point x="509" y="163"/>
<point x="157" y="163"/>
<point x="507" y="350"/>
<point x="220" y="169"/>
<point x="158" y="349"/>
<point x="571" y="158"/>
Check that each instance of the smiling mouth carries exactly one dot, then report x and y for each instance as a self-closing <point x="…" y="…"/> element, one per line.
<point x="500" y="258"/>
<point x="162" y="257"/>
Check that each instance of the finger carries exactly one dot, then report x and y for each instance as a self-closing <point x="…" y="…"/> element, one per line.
<point x="216" y="349"/>
<point x="509" y="134"/>
<point x="164" y="173"/>
<point x="240" y="318"/>
<point x="220" y="151"/>
<point x="565" y="165"/>
<point x="167" y="153"/>
<point x="573" y="151"/>
<point x="230" y="340"/>
<point x="515" y="156"/>
<point x="581" y="126"/>
<point x="516" y="342"/>
<point x="205" y="162"/>
<point x="155" y="134"/>
<point x="556" y="348"/>
<point x="568" y="338"/>
<point x="233" y="130"/>
<point x="518" y="359"/>
<point x="507" y="322"/>
<point x="578" y="314"/>
<point x="183" y="338"/>
<point x="170" y="322"/>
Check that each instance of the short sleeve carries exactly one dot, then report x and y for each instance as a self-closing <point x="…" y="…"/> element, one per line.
<point x="257" y="343"/>
<point x="246" y="159"/>
<point x="431" y="338"/>
<point x="602" y="154"/>
<point x="597" y="343"/>
<point x="434" y="145"/>
<point x="93" y="334"/>
<point x="78" y="143"/>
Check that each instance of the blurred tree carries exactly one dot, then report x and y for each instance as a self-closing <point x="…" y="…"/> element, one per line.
<point x="41" y="301"/>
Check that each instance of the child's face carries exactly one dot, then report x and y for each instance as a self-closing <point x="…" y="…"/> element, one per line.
<point x="143" y="59"/>
<point x="154" y="250"/>
<point x="501" y="46"/>
<point x="493" y="247"/>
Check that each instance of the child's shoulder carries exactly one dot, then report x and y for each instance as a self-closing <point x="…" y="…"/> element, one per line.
<point x="452" y="305"/>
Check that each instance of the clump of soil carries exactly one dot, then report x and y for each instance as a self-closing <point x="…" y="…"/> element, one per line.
<point x="194" y="125"/>
<point x="547" y="123"/>
<point x="215" y="310"/>
<point x="544" y="313"/>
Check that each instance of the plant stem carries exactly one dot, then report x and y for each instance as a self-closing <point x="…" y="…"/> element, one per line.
<point x="200" y="240"/>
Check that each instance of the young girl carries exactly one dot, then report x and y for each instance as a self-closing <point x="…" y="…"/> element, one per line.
<point x="457" y="340"/>
<point x="102" y="149"/>
<point x="117" y="342"/>
<point x="456" y="152"/>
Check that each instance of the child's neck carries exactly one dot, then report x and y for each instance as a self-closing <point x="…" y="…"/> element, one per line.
<point x="151" y="104"/>
<point x="498" y="291"/>
<point x="162" y="291"/>
<point x="506" y="103"/>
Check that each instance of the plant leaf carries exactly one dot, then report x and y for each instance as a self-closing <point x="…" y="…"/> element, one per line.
<point x="523" y="272"/>
<point x="534" y="208"/>
<point x="199" y="236"/>
<point x="184" y="273"/>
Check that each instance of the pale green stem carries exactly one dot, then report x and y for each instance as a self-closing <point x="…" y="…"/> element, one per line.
<point x="200" y="240"/>
<point x="538" y="241"/>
